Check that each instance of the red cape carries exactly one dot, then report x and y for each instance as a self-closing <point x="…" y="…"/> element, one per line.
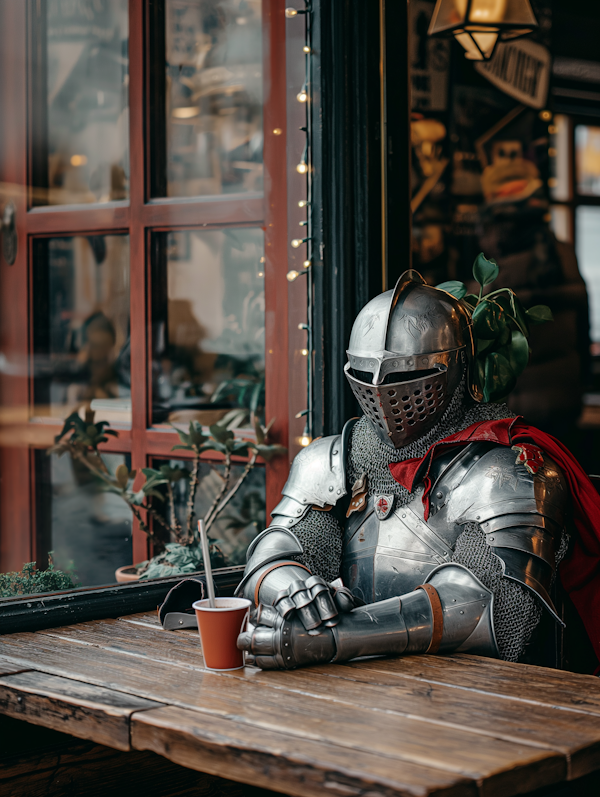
<point x="580" y="570"/>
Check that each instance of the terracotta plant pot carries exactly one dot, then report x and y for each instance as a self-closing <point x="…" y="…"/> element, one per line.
<point x="126" y="574"/>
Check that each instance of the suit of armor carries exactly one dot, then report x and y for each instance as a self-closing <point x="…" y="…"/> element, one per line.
<point x="472" y="574"/>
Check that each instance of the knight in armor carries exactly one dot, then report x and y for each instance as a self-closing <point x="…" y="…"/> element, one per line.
<point x="422" y="527"/>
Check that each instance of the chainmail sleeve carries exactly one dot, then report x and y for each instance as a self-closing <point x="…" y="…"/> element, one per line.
<point x="516" y="611"/>
<point x="320" y="534"/>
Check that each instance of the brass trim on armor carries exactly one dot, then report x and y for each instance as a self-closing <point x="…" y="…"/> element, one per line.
<point x="270" y="570"/>
<point x="437" y="612"/>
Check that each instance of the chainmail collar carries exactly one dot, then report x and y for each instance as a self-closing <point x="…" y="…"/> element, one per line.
<point x="369" y="455"/>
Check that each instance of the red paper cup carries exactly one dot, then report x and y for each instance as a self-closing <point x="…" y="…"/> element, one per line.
<point x="219" y="629"/>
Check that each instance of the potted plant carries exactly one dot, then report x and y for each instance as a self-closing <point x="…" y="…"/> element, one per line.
<point x="180" y="552"/>
<point x="31" y="581"/>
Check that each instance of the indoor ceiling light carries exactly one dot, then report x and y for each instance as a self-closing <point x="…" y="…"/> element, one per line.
<point x="478" y="25"/>
<point x="186" y="112"/>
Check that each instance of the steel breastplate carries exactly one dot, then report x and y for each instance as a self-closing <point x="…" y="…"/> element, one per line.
<point x="386" y="557"/>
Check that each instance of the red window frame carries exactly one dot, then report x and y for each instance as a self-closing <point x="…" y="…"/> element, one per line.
<point x="138" y="217"/>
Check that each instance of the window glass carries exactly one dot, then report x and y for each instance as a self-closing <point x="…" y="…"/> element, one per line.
<point x="84" y="79"/>
<point x="560" y="151"/>
<point x="81" y="327"/>
<point x="213" y="72"/>
<point x="208" y="324"/>
<point x="87" y="528"/>
<point x="236" y="524"/>
<point x="587" y="159"/>
<point x="561" y="222"/>
<point x="587" y="236"/>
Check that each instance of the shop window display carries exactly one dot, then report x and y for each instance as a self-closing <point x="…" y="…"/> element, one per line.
<point x="496" y="163"/>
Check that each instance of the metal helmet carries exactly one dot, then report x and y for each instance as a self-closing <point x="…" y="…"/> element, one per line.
<point x="407" y="355"/>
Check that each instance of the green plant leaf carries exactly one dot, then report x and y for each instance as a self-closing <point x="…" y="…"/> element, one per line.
<point x="504" y="337"/>
<point x="196" y="433"/>
<point x="150" y="473"/>
<point x="240" y="448"/>
<point x="174" y="474"/>
<point x="485" y="271"/>
<point x="489" y="320"/>
<point x="484" y="346"/>
<point x="213" y="445"/>
<point x="268" y="452"/>
<point x="122" y="475"/>
<point x="499" y="378"/>
<point x="456" y="288"/>
<point x="182" y="448"/>
<point x="220" y="434"/>
<point x="539" y="314"/>
<point x="518" y="352"/>
<point x="184" y="437"/>
<point x="154" y="493"/>
<point x="519" y="313"/>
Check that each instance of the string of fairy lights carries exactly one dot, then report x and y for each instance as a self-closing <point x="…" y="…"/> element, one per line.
<point x="304" y="168"/>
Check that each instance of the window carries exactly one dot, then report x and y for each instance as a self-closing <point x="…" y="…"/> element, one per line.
<point x="141" y="167"/>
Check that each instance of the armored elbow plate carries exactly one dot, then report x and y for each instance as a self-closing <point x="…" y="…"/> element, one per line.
<point x="468" y="611"/>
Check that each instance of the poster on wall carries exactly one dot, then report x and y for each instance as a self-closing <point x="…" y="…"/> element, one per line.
<point x="429" y="60"/>
<point x="520" y="69"/>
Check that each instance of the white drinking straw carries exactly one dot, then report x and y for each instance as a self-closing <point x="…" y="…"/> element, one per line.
<point x="207" y="568"/>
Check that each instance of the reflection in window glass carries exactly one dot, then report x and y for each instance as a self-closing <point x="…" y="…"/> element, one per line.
<point x="561" y="222"/>
<point x="213" y="96"/>
<point x="86" y="77"/>
<point x="235" y="526"/>
<point x="587" y="157"/>
<point x="81" y="327"/>
<point x="208" y="324"/>
<point x="87" y="528"/>
<point x="587" y="236"/>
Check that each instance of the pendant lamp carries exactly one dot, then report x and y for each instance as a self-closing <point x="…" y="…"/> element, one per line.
<point x="478" y="25"/>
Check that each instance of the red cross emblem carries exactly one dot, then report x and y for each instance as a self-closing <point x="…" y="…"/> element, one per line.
<point x="383" y="505"/>
<point x="529" y="456"/>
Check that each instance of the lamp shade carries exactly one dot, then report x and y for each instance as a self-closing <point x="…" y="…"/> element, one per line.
<point x="478" y="25"/>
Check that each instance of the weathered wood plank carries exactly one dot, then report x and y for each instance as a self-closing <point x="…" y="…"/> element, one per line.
<point x="369" y="686"/>
<point x="534" y="685"/>
<point x="80" y="709"/>
<point x="142" y="618"/>
<point x="278" y="761"/>
<point x="498" y="764"/>
<point x="8" y="667"/>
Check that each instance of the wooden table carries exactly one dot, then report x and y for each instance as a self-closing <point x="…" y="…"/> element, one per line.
<point x="457" y="726"/>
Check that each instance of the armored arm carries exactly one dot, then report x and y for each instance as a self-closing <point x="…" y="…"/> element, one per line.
<point x="302" y="546"/>
<point x="451" y="611"/>
<point x="510" y="506"/>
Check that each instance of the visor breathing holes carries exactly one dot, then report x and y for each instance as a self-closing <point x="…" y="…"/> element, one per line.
<point x="394" y="402"/>
<point x="427" y="387"/>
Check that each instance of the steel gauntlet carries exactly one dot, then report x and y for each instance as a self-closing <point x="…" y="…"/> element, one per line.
<point x="452" y="611"/>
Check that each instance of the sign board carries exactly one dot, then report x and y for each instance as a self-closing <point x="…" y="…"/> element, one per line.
<point x="520" y="69"/>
